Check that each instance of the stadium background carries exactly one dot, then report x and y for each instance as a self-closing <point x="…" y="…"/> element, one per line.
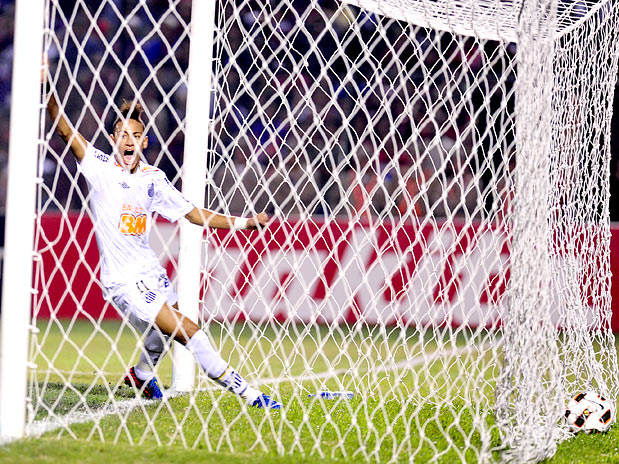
<point x="166" y="124"/>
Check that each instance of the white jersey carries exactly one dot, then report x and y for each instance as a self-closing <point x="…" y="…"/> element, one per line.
<point x="123" y="205"/>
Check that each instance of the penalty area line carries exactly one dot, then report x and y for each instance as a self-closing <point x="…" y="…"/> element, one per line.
<point x="415" y="361"/>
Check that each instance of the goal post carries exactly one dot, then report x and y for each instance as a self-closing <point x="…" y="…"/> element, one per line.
<point x="436" y="173"/>
<point x="199" y="75"/>
<point x="24" y="147"/>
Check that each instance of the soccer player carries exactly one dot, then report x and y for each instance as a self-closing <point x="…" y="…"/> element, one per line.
<point x="124" y="193"/>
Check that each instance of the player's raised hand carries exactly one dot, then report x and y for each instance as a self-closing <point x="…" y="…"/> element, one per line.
<point x="258" y="221"/>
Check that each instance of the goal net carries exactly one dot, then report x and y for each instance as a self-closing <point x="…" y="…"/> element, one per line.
<point x="437" y="177"/>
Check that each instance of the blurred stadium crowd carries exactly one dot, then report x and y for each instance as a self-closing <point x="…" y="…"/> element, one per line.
<point x="279" y="161"/>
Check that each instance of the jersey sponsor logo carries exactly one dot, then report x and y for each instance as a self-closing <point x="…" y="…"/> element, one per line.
<point x="151" y="189"/>
<point x="133" y="209"/>
<point x="123" y="185"/>
<point x="132" y="224"/>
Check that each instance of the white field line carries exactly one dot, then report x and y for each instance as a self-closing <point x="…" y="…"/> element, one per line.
<point x="38" y="428"/>
<point x="407" y="363"/>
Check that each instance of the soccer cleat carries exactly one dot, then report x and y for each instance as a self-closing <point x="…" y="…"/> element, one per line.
<point x="150" y="390"/>
<point x="266" y="402"/>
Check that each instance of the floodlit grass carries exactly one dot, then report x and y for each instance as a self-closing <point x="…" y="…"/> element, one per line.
<point x="328" y="422"/>
<point x="83" y="371"/>
<point x="583" y="449"/>
<point x="63" y="448"/>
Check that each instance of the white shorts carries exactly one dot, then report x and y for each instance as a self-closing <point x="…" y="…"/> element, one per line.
<point x="142" y="300"/>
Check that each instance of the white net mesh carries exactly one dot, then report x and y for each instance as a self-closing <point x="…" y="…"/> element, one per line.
<point x="440" y="235"/>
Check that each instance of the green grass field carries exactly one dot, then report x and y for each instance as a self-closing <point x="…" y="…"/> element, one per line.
<point x="87" y="368"/>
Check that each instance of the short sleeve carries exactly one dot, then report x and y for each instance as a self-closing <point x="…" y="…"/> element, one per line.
<point x="93" y="166"/>
<point x="168" y="201"/>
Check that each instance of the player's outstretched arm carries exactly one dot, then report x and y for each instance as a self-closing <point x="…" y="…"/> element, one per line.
<point x="65" y="129"/>
<point x="206" y="218"/>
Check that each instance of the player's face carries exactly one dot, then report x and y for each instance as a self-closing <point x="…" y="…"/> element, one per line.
<point x="129" y="141"/>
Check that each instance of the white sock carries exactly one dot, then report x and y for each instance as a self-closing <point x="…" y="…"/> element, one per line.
<point x="209" y="359"/>
<point x="143" y="371"/>
<point x="219" y="370"/>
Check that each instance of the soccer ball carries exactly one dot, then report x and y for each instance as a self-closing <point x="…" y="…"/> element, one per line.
<point x="589" y="412"/>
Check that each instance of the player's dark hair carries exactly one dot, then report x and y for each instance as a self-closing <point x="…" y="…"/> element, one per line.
<point x="129" y="109"/>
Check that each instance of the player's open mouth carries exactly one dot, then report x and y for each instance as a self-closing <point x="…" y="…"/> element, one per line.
<point x="128" y="156"/>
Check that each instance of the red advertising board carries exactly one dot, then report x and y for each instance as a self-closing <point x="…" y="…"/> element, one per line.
<point x="306" y="271"/>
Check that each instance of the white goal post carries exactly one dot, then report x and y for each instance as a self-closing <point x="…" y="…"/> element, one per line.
<point x="437" y="176"/>
<point x="194" y="176"/>
<point x="19" y="233"/>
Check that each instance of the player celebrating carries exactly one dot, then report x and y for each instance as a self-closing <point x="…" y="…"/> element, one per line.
<point x="125" y="192"/>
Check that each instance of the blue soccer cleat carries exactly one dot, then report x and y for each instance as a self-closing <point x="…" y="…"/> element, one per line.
<point x="151" y="390"/>
<point x="266" y="402"/>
